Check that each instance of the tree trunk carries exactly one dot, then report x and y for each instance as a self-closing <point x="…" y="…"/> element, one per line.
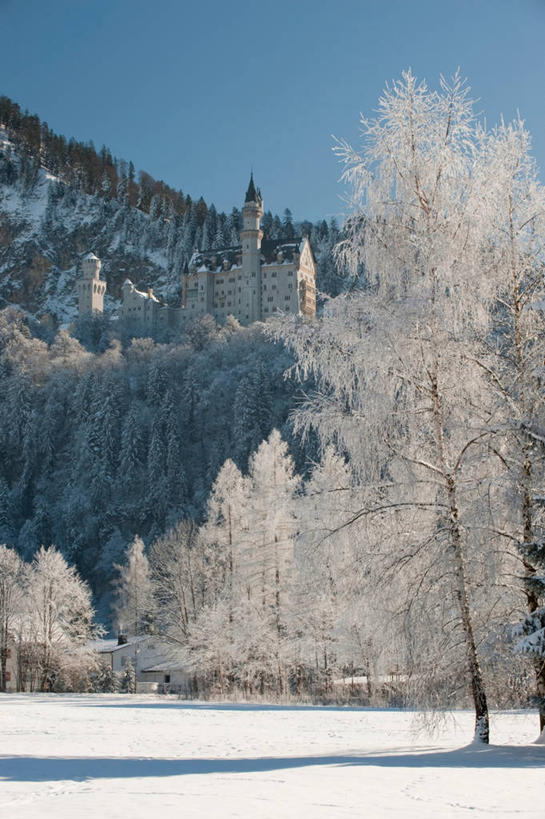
<point x="482" y="726"/>
<point x="3" y="666"/>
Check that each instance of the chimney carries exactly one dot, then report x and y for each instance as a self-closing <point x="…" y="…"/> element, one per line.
<point x="122" y="639"/>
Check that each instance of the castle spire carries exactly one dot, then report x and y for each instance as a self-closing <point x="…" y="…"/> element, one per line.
<point x="252" y="195"/>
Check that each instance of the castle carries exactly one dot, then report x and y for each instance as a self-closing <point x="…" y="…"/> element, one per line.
<point x="249" y="281"/>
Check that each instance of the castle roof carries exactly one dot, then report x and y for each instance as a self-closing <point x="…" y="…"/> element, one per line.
<point x="271" y="247"/>
<point x="92" y="256"/>
<point x="213" y="260"/>
<point x="141" y="294"/>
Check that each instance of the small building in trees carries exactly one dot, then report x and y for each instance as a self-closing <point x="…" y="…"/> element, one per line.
<point x="254" y="279"/>
<point x="150" y="658"/>
<point x="90" y="286"/>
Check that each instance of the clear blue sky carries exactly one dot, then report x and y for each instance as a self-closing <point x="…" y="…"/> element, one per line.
<point x="197" y="92"/>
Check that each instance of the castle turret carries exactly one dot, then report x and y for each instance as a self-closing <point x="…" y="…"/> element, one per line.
<point x="91" y="287"/>
<point x="250" y="237"/>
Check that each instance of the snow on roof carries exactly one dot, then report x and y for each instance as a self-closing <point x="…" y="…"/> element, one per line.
<point x="168" y="665"/>
<point x="91" y="255"/>
<point x="107" y="646"/>
<point x="145" y="295"/>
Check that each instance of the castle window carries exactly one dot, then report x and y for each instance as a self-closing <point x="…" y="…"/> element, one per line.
<point x="264" y="287"/>
<point x="274" y="274"/>
<point x="253" y="275"/>
<point x="290" y="286"/>
<point x="287" y="298"/>
<point x="290" y="272"/>
<point x="265" y="309"/>
<point x="232" y="279"/>
<point x="274" y="287"/>
<point x="270" y="298"/>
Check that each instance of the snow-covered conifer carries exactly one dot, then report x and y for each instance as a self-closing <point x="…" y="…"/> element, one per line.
<point x="133" y="603"/>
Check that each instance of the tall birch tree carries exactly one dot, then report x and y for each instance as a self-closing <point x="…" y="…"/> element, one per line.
<point x="398" y="390"/>
<point x="514" y="261"/>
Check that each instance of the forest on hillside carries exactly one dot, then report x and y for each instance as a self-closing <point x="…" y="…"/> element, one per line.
<point x="100" y="447"/>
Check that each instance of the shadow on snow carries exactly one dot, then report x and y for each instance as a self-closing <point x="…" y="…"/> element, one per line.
<point x="51" y="769"/>
<point x="191" y="705"/>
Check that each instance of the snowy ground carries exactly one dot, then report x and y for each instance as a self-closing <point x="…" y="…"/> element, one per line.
<point x="106" y="756"/>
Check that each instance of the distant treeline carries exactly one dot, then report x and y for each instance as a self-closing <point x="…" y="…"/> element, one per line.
<point x="94" y="172"/>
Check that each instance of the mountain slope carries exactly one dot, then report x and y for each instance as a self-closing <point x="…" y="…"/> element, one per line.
<point x="45" y="228"/>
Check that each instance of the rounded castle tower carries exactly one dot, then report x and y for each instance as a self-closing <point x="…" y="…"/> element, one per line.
<point x="250" y="237"/>
<point x="91" y="287"/>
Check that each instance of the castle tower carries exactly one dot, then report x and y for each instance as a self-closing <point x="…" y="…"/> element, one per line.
<point x="91" y="287"/>
<point x="251" y="236"/>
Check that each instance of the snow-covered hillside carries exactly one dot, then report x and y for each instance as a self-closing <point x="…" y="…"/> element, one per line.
<point x="45" y="228"/>
<point x="60" y="199"/>
<point x="123" y="756"/>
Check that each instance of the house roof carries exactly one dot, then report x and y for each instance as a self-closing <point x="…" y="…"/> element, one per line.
<point x="108" y="646"/>
<point x="167" y="665"/>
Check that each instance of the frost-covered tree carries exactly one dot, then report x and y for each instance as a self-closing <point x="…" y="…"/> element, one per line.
<point x="390" y="359"/>
<point x="267" y="559"/>
<point x="513" y="263"/>
<point x="105" y="680"/>
<point x="11" y="598"/>
<point x="178" y="570"/>
<point x="326" y="569"/>
<point x="59" y="612"/>
<point x="133" y="602"/>
<point x="225" y="530"/>
<point x="128" y="679"/>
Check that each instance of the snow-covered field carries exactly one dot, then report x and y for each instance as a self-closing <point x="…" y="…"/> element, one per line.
<point x="126" y="756"/>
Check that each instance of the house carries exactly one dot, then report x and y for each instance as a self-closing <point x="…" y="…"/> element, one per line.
<point x="155" y="670"/>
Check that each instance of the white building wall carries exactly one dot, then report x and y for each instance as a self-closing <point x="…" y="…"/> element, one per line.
<point x="90" y="287"/>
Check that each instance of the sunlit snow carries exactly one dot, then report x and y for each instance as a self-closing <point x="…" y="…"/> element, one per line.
<point x="69" y="756"/>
